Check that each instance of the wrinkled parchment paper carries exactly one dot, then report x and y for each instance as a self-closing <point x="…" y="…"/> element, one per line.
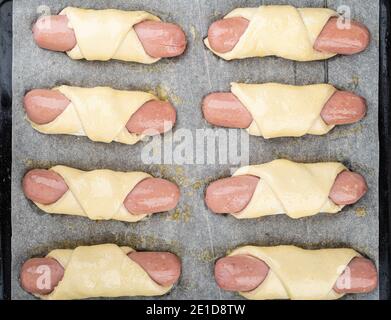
<point x="191" y="231"/>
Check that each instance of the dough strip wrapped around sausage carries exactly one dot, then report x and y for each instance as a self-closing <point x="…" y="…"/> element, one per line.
<point x="298" y="274"/>
<point x="296" y="189"/>
<point x="97" y="195"/>
<point x="280" y="110"/>
<point x="101" y="271"/>
<point x="107" y="34"/>
<point x="283" y="31"/>
<point x="99" y="113"/>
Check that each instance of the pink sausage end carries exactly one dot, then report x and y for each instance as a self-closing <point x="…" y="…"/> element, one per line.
<point x="43" y="186"/>
<point x="240" y="273"/>
<point x="344" y="108"/>
<point x="360" y="276"/>
<point x="53" y="33"/>
<point x="230" y="195"/>
<point x="223" y="109"/>
<point x="154" y="117"/>
<point x="224" y="34"/>
<point x="334" y="39"/>
<point x="43" y="106"/>
<point x="163" y="267"/>
<point x="152" y="195"/>
<point x="349" y="187"/>
<point x="40" y="275"/>
<point x="161" y="39"/>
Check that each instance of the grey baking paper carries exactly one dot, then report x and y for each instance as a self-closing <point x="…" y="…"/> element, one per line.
<point x="192" y="232"/>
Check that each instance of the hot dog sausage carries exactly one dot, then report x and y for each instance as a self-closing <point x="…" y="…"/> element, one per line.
<point x="232" y="195"/>
<point x="225" y="110"/>
<point x="159" y="39"/>
<point x="245" y="273"/>
<point x="240" y="273"/>
<point x="42" y="275"/>
<point x="44" y="106"/>
<point x="223" y="35"/>
<point x="154" y="116"/>
<point x="150" y="196"/>
<point x="343" y="41"/>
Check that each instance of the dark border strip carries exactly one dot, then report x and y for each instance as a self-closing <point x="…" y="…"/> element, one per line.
<point x="385" y="151"/>
<point x="5" y="144"/>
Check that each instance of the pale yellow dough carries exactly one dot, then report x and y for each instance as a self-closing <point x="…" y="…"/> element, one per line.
<point x="298" y="274"/>
<point x="296" y="189"/>
<point x="282" y="31"/>
<point x="107" y="34"/>
<point x="281" y="110"/>
<point x="101" y="271"/>
<point x="97" y="195"/>
<point x="99" y="113"/>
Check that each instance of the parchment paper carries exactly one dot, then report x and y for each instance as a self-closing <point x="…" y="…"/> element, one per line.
<point x="192" y="232"/>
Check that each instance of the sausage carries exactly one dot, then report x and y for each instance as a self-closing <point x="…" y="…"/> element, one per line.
<point x="343" y="41"/>
<point x="240" y="273"/>
<point x="44" y="186"/>
<point x="223" y="35"/>
<point x="53" y="33"/>
<point x="163" y="267"/>
<point x="151" y="195"/>
<point x="225" y="110"/>
<point x="348" y="188"/>
<point x="159" y="39"/>
<point x="246" y="273"/>
<point x="43" y="106"/>
<point x="153" y="117"/>
<point x="344" y="107"/>
<point x="42" y="275"/>
<point x="359" y="277"/>
<point x="232" y="195"/>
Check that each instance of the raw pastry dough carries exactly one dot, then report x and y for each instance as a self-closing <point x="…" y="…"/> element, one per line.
<point x="98" y="194"/>
<point x="282" y="110"/>
<point x="99" y="113"/>
<point x="282" y="31"/>
<point x="107" y="34"/>
<point x="298" y="274"/>
<point x="101" y="271"/>
<point x="296" y="189"/>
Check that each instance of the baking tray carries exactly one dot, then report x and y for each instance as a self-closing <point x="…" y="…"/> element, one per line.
<point x="192" y="232"/>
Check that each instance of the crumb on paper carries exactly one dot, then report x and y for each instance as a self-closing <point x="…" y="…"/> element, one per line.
<point x="180" y="214"/>
<point x="165" y="94"/>
<point x="194" y="32"/>
<point x="361" y="212"/>
<point x="38" y="163"/>
<point x="354" y="83"/>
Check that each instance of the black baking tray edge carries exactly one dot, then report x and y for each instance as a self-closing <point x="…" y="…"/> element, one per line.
<point x="6" y="156"/>
<point x="5" y="145"/>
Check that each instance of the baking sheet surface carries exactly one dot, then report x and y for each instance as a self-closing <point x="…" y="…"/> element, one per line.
<point x="191" y="231"/>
